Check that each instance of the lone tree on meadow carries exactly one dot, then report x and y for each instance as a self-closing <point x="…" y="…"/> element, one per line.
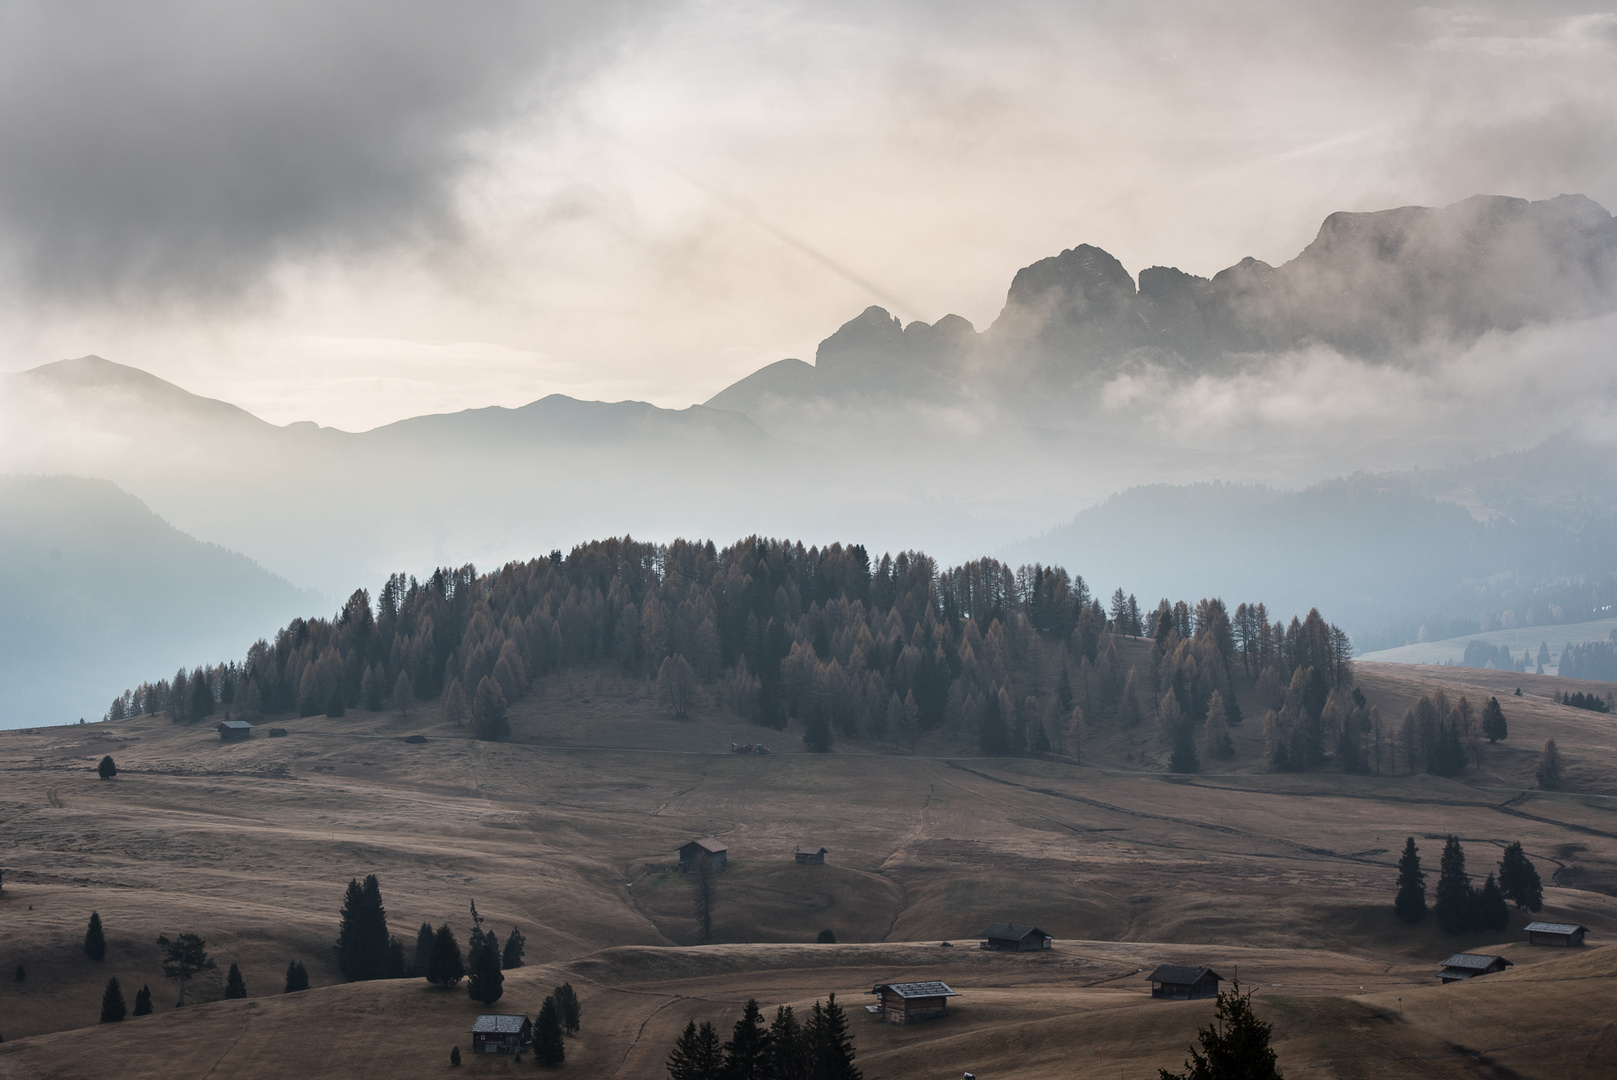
<point x="1235" y="1046"/>
<point x="1549" y="766"/>
<point x="445" y="967"/>
<point x="143" y="1001"/>
<point x="363" y="948"/>
<point x="1493" y="721"/>
<point x="567" y="1004"/>
<point x="676" y="685"/>
<point x="184" y="958"/>
<point x="297" y="977"/>
<point x="1518" y="879"/>
<point x="112" y="1002"/>
<point x="235" y="985"/>
<point x="95" y="942"/>
<point x="1410" y="903"/>
<point x="107" y="768"/>
<point x="548" y="1046"/>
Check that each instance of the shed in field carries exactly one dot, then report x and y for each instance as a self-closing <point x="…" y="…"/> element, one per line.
<point x="1555" y="933"/>
<point x="804" y="853"/>
<point x="1465" y="965"/>
<point x="707" y="850"/>
<point x="909" y="1003"/>
<point x="1013" y="937"/>
<point x="1177" y="982"/>
<point x="500" y="1033"/>
<point x="233" y="730"/>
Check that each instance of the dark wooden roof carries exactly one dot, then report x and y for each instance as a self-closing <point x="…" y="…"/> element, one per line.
<point x="1555" y="928"/>
<point x="233" y="725"/>
<point x="1467" y="961"/>
<point x="1013" y="931"/>
<point x="498" y="1024"/>
<point x="1179" y="973"/>
<point x="804" y="849"/>
<point x="706" y="843"/>
<point x="916" y="989"/>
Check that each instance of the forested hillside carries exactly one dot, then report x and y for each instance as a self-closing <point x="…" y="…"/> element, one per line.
<point x="1010" y="661"/>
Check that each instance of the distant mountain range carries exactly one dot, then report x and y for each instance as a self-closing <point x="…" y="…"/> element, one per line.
<point x="100" y="593"/>
<point x="1391" y="287"/>
<point x="941" y="437"/>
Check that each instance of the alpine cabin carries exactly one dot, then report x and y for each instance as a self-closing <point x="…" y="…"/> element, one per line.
<point x="910" y="1003"/>
<point x="1013" y="937"/>
<point x="1176" y="982"/>
<point x="1555" y="933"/>
<point x="500" y="1033"/>
<point x="1465" y="965"/>
<point x="706" y="850"/>
<point x="804" y="853"/>
<point x="233" y="730"/>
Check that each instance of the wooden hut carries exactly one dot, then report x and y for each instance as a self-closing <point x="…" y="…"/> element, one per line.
<point x="501" y="1033"/>
<point x="1013" y="937"/>
<point x="1177" y="982"/>
<point x="1555" y="933"/>
<point x="1465" y="965"/>
<point x="803" y="853"/>
<point x="909" y="1003"/>
<point x="706" y="849"/>
<point x="233" y="730"/>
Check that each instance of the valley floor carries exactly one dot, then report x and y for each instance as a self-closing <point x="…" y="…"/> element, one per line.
<point x="569" y="832"/>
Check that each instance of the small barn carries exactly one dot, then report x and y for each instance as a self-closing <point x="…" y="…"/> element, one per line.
<point x="500" y="1033"/>
<point x="1014" y="937"/>
<point x="1176" y="982"/>
<point x="805" y="853"/>
<point x="1555" y="933"/>
<point x="910" y="1003"/>
<point x="1465" y="965"/>
<point x="233" y="730"/>
<point x="707" y="850"/>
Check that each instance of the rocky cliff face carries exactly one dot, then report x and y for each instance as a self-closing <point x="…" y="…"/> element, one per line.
<point x="1400" y="287"/>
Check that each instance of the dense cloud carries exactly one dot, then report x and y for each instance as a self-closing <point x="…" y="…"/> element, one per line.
<point x="185" y="146"/>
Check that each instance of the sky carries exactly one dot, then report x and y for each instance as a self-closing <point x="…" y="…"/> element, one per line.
<point x="356" y="212"/>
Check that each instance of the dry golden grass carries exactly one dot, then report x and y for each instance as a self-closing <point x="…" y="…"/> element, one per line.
<point x="1287" y="877"/>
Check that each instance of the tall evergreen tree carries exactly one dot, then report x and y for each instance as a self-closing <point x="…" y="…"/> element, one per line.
<point x="1492" y="913"/>
<point x="1518" y="879"/>
<point x="515" y="945"/>
<point x="143" y="1001"/>
<point x="488" y="711"/>
<point x="445" y="966"/>
<point x="786" y="1046"/>
<point x="829" y="1047"/>
<point x="746" y="1055"/>
<point x="697" y="1054"/>
<point x="1493" y="721"/>
<point x="112" y="1002"/>
<point x="95" y="942"/>
<point x="484" y="981"/>
<point x="1235" y="1046"/>
<point x="235" y="985"/>
<point x="1549" y="766"/>
<point x="1410" y="904"/>
<point x="1184" y="759"/>
<point x="568" y="1004"/>
<point x="423" y="948"/>
<point x="297" y="977"/>
<point x="1454" y="906"/>
<point x="403" y="693"/>
<point x="548" y="1046"/>
<point x="363" y="947"/>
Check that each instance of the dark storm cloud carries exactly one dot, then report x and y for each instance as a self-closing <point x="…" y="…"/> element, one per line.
<point x="180" y="148"/>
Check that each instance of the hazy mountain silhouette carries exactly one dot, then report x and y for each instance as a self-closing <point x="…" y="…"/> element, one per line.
<point x="1390" y="287"/>
<point x="100" y="592"/>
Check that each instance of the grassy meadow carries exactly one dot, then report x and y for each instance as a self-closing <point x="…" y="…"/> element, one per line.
<point x="569" y="831"/>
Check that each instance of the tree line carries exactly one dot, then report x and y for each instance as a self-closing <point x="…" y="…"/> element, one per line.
<point x="1461" y="907"/>
<point x="818" y="1047"/>
<point x="1018" y="659"/>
